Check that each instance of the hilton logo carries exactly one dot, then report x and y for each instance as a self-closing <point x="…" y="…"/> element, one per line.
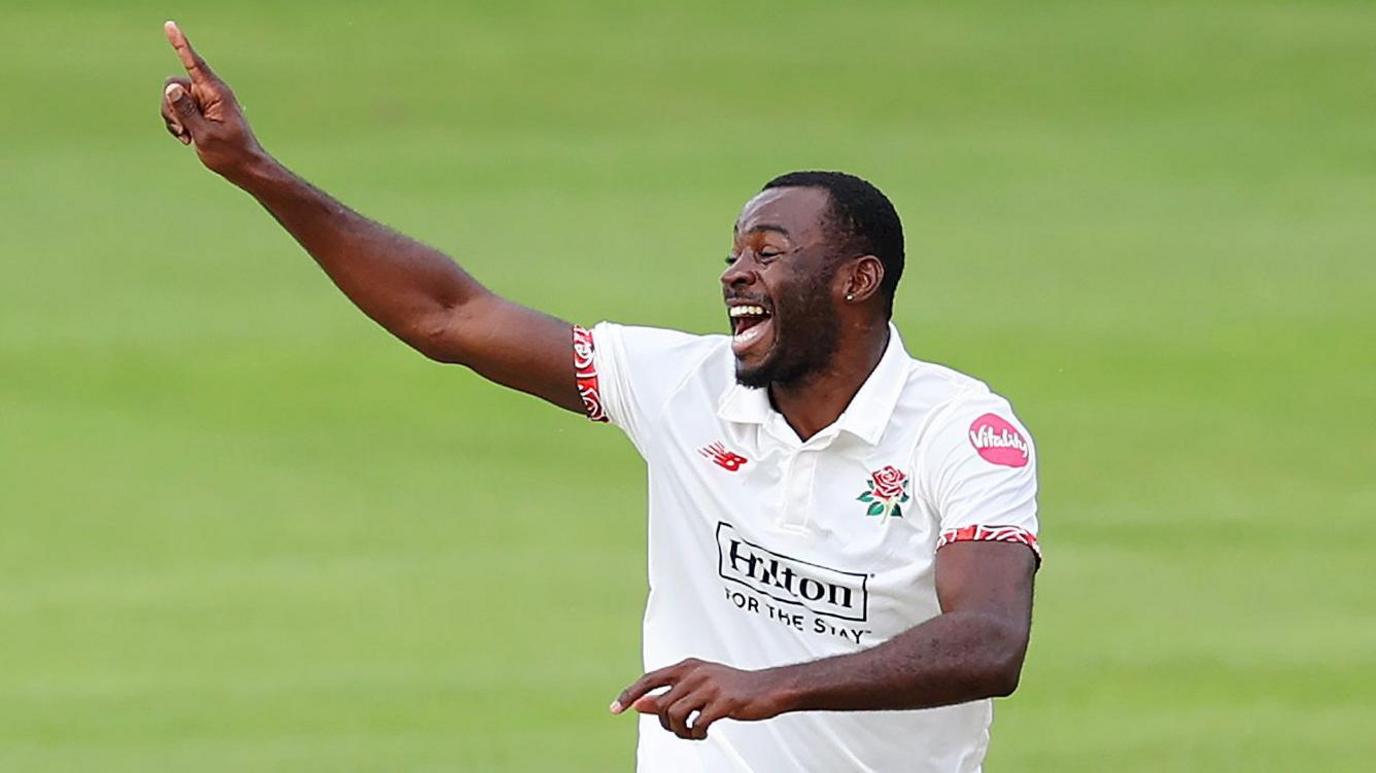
<point x="819" y="589"/>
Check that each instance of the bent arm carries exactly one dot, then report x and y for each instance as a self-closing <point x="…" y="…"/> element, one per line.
<point x="973" y="650"/>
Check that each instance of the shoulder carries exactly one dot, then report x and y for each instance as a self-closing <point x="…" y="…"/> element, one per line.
<point x="638" y="346"/>
<point x="932" y="390"/>
<point x="649" y="365"/>
<point x="652" y="339"/>
<point x="947" y="406"/>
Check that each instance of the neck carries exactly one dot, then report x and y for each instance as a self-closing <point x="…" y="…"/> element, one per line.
<point x="816" y="401"/>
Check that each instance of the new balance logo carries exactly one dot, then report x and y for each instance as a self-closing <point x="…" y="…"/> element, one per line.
<point x="724" y="459"/>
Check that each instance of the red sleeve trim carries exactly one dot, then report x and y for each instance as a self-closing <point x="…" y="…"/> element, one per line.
<point x="991" y="534"/>
<point x="585" y="371"/>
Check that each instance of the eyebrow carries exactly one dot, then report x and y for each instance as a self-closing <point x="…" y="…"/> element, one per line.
<point x="766" y="227"/>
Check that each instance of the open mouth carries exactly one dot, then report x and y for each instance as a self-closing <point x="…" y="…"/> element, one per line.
<point x="749" y="325"/>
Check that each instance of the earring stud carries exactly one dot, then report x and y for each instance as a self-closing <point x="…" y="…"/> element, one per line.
<point x="850" y="297"/>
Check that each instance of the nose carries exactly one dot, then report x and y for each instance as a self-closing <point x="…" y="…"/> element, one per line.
<point x="739" y="273"/>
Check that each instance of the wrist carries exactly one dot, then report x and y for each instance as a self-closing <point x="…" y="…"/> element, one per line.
<point x="254" y="172"/>
<point x="785" y="689"/>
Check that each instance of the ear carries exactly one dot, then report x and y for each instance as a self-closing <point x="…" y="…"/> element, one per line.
<point x="862" y="279"/>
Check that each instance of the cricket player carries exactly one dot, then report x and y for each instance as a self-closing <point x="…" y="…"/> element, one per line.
<point x="842" y="539"/>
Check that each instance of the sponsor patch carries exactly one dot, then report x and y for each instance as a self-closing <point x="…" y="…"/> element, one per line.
<point x="819" y="589"/>
<point x="999" y="442"/>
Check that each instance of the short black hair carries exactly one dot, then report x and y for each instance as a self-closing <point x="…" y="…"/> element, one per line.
<point x="862" y="218"/>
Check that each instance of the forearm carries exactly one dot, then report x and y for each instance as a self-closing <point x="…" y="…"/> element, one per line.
<point x="414" y="291"/>
<point x="405" y="286"/>
<point x="952" y="658"/>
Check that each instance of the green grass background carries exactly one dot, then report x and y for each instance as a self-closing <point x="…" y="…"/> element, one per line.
<point x="242" y="529"/>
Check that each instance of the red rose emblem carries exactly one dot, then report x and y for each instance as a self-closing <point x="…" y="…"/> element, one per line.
<point x="889" y="482"/>
<point x="887" y="493"/>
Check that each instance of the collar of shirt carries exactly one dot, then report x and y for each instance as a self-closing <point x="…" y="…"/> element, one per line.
<point x="866" y="416"/>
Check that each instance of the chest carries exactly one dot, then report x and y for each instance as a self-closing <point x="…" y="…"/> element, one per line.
<point x="831" y="536"/>
<point x="834" y="499"/>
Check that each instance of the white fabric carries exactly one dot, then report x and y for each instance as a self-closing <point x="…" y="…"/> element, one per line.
<point x="779" y="560"/>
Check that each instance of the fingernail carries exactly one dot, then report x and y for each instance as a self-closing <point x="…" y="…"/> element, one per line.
<point x="616" y="707"/>
<point x="174" y="91"/>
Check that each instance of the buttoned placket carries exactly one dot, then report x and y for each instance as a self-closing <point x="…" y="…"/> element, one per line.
<point x="800" y="460"/>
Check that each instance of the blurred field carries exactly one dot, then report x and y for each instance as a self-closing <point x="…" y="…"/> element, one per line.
<point x="245" y="530"/>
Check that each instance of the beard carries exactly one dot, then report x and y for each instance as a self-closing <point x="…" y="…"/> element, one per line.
<point x="806" y="332"/>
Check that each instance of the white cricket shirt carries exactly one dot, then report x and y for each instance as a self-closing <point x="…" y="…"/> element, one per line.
<point x="766" y="550"/>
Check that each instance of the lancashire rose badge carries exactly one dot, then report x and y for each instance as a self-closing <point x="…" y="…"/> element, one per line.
<point x="886" y="492"/>
<point x="999" y="442"/>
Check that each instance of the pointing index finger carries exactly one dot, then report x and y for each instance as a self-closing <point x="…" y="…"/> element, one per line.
<point x="196" y="67"/>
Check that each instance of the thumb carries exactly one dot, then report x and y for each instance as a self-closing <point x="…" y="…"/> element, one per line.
<point x="185" y="108"/>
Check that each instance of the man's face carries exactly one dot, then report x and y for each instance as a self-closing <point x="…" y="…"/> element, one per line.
<point x="777" y="287"/>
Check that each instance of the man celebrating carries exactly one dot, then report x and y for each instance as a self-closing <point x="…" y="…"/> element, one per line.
<point x="842" y="539"/>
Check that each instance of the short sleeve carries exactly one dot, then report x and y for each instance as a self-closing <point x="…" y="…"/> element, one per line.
<point x="980" y="470"/>
<point x="626" y="374"/>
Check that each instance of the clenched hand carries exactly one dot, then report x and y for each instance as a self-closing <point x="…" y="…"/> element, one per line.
<point x="200" y="109"/>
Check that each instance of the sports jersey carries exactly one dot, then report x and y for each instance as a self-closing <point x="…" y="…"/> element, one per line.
<point x="766" y="549"/>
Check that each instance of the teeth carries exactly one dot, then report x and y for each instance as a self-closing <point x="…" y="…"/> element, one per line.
<point x="746" y="311"/>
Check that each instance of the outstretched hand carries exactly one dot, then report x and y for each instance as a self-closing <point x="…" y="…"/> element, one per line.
<point x="200" y="109"/>
<point x="700" y="693"/>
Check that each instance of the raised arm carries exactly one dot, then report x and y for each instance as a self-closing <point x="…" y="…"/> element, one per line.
<point x="974" y="649"/>
<point x="414" y="291"/>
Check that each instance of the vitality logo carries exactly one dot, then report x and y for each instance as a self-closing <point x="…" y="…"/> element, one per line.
<point x="999" y="442"/>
